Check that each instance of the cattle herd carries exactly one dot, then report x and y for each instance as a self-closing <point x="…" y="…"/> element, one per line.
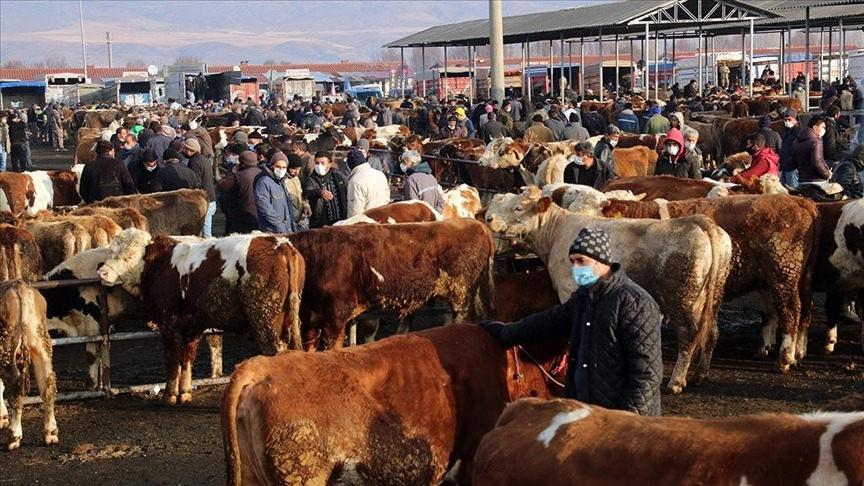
<point x="447" y="403"/>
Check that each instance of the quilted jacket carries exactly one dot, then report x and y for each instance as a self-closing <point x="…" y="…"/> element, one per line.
<point x="615" y="358"/>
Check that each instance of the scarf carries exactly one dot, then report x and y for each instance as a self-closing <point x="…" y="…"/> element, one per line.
<point x="334" y="210"/>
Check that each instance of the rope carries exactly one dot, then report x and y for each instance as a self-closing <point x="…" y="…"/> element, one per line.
<point x="546" y="374"/>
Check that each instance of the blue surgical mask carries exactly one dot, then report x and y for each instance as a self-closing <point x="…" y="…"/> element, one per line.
<point x="583" y="276"/>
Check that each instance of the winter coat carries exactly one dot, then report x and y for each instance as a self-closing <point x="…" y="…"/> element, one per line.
<point x="596" y="176"/>
<point x="143" y="178"/>
<point x="203" y="136"/>
<point x="274" y="126"/>
<point x="254" y="118"/>
<point x="312" y="191"/>
<point x="847" y="174"/>
<point x="469" y="126"/>
<point x="831" y="141"/>
<point x="557" y="127"/>
<point x="538" y="133"/>
<point x="615" y="356"/>
<point x="658" y="125"/>
<point x="131" y="156"/>
<point x="575" y="132"/>
<point x="422" y="185"/>
<point x="494" y="129"/>
<point x="367" y="188"/>
<point x="295" y="190"/>
<point x="385" y="118"/>
<point x="175" y="176"/>
<point x="17" y="132"/>
<point x="628" y="121"/>
<point x="105" y="177"/>
<point x="5" y="145"/>
<point x="240" y="188"/>
<point x="808" y="156"/>
<point x="594" y="123"/>
<point x="458" y="132"/>
<point x="158" y="143"/>
<point x="273" y="204"/>
<point x="144" y="135"/>
<point x="203" y="168"/>
<point x="766" y="161"/>
<point x="787" y="161"/>
<point x="603" y="154"/>
<point x="686" y="165"/>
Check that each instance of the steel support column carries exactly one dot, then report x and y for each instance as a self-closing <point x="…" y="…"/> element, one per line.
<point x="674" y="63"/>
<point x="402" y="72"/>
<point x="645" y="47"/>
<point x="807" y="56"/>
<point x="551" y="69"/>
<point x="750" y="75"/>
<point x="600" y="43"/>
<point x="423" y="68"/>
<point x="522" y="69"/>
<point x="445" y="74"/>
<point x="496" y="52"/>
<point x="570" y="67"/>
<point x="657" y="65"/>
<point x="617" y="73"/>
<point x="528" y="73"/>
<point x="782" y="60"/>
<point x="699" y="53"/>
<point x="842" y="51"/>
<point x="582" y="68"/>
<point x="561" y="78"/>
<point x="821" y="53"/>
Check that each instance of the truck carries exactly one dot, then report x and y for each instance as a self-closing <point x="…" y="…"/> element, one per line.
<point x="175" y="79"/>
<point x="363" y="92"/>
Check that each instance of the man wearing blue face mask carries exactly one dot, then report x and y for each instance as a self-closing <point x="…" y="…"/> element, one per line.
<point x="614" y="331"/>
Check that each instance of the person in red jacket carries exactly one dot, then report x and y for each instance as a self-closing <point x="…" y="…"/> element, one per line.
<point x="765" y="160"/>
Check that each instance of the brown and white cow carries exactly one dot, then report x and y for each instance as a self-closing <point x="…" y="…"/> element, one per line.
<point x="351" y="269"/>
<point x="682" y="263"/>
<point x="238" y="283"/>
<point x="27" y="193"/>
<point x="179" y="212"/>
<point x="774" y="248"/>
<point x="24" y="341"/>
<point x="403" y="410"/>
<point x="413" y="211"/>
<point x="567" y="442"/>
<point x="19" y="254"/>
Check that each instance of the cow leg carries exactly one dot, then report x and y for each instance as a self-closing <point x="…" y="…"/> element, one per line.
<point x="189" y="353"/>
<point x="214" y="342"/>
<point x="4" y="413"/>
<point x="704" y="365"/>
<point x="806" y="299"/>
<point x="789" y="315"/>
<point x="173" y="352"/>
<point x="46" y="381"/>
<point x="833" y="309"/>
<point x="91" y="350"/>
<point x="18" y="385"/>
<point x="686" y="333"/>
<point x="769" y="324"/>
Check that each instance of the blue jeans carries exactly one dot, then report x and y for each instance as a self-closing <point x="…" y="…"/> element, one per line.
<point x="207" y="231"/>
<point x="789" y="178"/>
<point x="2" y="160"/>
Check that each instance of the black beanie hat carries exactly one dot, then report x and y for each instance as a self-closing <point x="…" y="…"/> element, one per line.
<point x="355" y="158"/>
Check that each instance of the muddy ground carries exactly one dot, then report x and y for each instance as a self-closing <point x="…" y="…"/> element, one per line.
<point x="136" y="440"/>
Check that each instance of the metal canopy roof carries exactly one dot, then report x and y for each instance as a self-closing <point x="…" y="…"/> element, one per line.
<point x="613" y="18"/>
<point x="827" y="16"/>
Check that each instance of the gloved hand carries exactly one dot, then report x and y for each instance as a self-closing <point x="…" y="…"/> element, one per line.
<point x="494" y="328"/>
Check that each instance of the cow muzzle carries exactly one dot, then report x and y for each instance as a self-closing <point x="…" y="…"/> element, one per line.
<point x="108" y="276"/>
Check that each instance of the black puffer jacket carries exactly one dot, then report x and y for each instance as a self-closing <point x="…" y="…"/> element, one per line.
<point x="615" y="358"/>
<point x="847" y="175"/>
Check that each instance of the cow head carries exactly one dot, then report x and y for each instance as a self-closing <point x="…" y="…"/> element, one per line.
<point x="126" y="261"/>
<point x="517" y="215"/>
<point x="502" y="153"/>
<point x="462" y="201"/>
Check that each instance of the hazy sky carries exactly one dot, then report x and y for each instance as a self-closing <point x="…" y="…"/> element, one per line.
<point x="222" y="31"/>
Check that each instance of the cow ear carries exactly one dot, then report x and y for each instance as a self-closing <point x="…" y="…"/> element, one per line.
<point x="543" y="204"/>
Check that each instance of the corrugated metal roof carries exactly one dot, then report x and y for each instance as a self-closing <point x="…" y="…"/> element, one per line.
<point x="586" y="20"/>
<point x="774" y="5"/>
<point x="852" y="15"/>
<point x="23" y="84"/>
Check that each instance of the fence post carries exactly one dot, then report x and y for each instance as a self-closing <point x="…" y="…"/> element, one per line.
<point x="105" y="350"/>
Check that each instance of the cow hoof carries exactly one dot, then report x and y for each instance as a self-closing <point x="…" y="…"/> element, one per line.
<point x="699" y="380"/>
<point x="185" y="397"/>
<point x="52" y="437"/>
<point x="13" y="444"/>
<point x="216" y="374"/>
<point x="784" y="368"/>
<point x="762" y="353"/>
<point x="828" y="349"/>
<point x="169" y="399"/>
<point x="674" y="389"/>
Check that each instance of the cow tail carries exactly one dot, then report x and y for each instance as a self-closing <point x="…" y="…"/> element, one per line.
<point x="230" y="403"/>
<point x="297" y="277"/>
<point x="484" y="306"/>
<point x="721" y="253"/>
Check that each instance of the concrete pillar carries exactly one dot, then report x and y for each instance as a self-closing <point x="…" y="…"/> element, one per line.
<point x="496" y="49"/>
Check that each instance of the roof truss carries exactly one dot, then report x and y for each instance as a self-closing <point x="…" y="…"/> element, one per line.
<point x="683" y="12"/>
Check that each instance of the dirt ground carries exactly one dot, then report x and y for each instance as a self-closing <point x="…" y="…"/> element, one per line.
<point x="136" y="440"/>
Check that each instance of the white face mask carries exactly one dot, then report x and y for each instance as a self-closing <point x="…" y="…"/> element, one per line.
<point x="151" y="169"/>
<point x="577" y="160"/>
<point x="821" y="132"/>
<point x="672" y="149"/>
<point x="690" y="145"/>
<point x="280" y="173"/>
<point x="193" y="125"/>
<point x="404" y="168"/>
<point x="321" y="169"/>
<point x="613" y="143"/>
<point x="789" y="123"/>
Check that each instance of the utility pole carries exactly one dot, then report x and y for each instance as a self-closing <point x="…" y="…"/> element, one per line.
<point x="496" y="48"/>
<point x="83" y="44"/>
<point x="110" y="53"/>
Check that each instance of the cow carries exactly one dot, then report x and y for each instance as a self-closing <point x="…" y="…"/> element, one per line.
<point x="503" y="153"/>
<point x="124" y="217"/>
<point x="179" y="212"/>
<point x="394" y="267"/>
<point x="634" y="161"/>
<point x="19" y="254"/>
<point x="686" y="283"/>
<point x="462" y="201"/>
<point x="27" y="193"/>
<point x="584" y="199"/>
<point x="419" y="404"/>
<point x="774" y="249"/>
<point x="731" y="134"/>
<point x="662" y="187"/>
<point x="100" y="228"/>
<point x="57" y="240"/>
<point x="413" y="211"/>
<point x="103" y="119"/>
<point x="85" y="149"/>
<point x="24" y="341"/>
<point x="567" y="442"/>
<point x="520" y="294"/>
<point x="238" y="283"/>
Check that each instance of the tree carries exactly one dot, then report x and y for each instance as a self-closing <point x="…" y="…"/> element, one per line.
<point x="136" y="63"/>
<point x="187" y="60"/>
<point x="55" y="61"/>
<point x="13" y="64"/>
<point x="269" y="62"/>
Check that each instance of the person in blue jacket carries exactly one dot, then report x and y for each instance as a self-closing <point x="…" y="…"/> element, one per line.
<point x="272" y="202"/>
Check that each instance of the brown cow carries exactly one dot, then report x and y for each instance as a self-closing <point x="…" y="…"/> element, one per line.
<point x="662" y="187"/>
<point x="634" y="161"/>
<point x="774" y="247"/>
<point x="101" y="118"/>
<point x="413" y="211"/>
<point x="396" y="267"/>
<point x="732" y="134"/>
<point x="520" y="294"/>
<point x="238" y="283"/>
<point x="100" y="228"/>
<point x="419" y="404"/>
<point x="179" y="212"/>
<point x="19" y="255"/>
<point x="125" y="217"/>
<point x="567" y="442"/>
<point x="24" y="340"/>
<point x="57" y="240"/>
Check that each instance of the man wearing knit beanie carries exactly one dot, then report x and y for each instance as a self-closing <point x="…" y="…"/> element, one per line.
<point x="614" y="330"/>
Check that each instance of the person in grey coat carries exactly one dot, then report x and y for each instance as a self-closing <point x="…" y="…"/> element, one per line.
<point x="555" y="124"/>
<point x="575" y="130"/>
<point x="420" y="183"/>
<point x="273" y="204"/>
<point x="613" y="326"/>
